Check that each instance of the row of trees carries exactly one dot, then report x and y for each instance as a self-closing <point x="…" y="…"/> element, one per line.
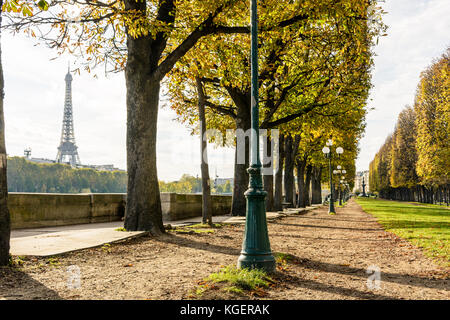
<point x="314" y="77"/>
<point x="414" y="162"/>
<point x="26" y="176"/>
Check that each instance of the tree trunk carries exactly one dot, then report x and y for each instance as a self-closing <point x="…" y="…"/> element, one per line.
<point x="307" y="184"/>
<point x="278" y="196"/>
<point x="143" y="209"/>
<point x="206" y="188"/>
<point x="243" y="122"/>
<point x="5" y="227"/>
<point x="301" y="164"/>
<point x="291" y="149"/>
<point x="289" y="172"/>
<point x="316" y="184"/>
<point x="268" y="176"/>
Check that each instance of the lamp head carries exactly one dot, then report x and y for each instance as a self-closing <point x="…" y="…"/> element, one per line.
<point x="326" y="150"/>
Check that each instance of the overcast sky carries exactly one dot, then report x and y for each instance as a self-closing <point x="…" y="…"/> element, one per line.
<point x="34" y="101"/>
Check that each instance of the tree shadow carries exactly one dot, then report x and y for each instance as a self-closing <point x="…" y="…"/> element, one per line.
<point x="18" y="285"/>
<point x="327" y="227"/>
<point x="399" y="278"/>
<point x="190" y="243"/>
<point x="327" y="238"/>
<point x="349" y="292"/>
<point x="332" y="219"/>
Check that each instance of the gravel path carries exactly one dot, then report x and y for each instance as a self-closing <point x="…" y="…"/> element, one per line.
<point x="331" y="254"/>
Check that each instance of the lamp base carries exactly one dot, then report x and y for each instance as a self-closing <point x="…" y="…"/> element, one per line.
<point x="262" y="262"/>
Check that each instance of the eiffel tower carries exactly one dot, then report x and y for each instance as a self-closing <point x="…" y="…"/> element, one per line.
<point x="67" y="150"/>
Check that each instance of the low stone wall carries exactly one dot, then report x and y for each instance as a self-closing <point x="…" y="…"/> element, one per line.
<point x="183" y="206"/>
<point x="34" y="210"/>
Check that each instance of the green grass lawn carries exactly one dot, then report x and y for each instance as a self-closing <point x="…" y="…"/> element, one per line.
<point x="425" y="226"/>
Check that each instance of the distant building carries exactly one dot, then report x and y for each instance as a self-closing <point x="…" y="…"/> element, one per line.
<point x="359" y="178"/>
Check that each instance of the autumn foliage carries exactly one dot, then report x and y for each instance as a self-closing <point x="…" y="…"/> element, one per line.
<point x="413" y="164"/>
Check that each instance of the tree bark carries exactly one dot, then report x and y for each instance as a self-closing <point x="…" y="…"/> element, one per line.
<point x="307" y="185"/>
<point x="5" y="223"/>
<point x="316" y="184"/>
<point x="206" y="188"/>
<point x="291" y="149"/>
<point x="301" y="164"/>
<point x="289" y="172"/>
<point x="243" y="122"/>
<point x="278" y="193"/>
<point x="268" y="178"/>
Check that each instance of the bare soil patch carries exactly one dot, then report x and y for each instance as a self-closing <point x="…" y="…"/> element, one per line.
<point x="329" y="258"/>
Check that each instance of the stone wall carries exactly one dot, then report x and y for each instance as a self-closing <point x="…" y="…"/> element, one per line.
<point x="33" y="210"/>
<point x="183" y="206"/>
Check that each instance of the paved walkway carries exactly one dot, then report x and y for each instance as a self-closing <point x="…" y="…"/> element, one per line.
<point x="56" y="240"/>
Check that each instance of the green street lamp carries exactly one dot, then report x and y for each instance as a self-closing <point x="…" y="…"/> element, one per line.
<point x="341" y="183"/>
<point x="364" y="187"/>
<point x="256" y="252"/>
<point x="328" y="154"/>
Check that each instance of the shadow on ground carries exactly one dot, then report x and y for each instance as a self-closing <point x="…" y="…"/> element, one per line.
<point x="405" y="279"/>
<point x="18" y="285"/>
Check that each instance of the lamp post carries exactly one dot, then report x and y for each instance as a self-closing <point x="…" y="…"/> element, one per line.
<point x="341" y="183"/>
<point x="328" y="154"/>
<point x="364" y="187"/>
<point x="256" y="252"/>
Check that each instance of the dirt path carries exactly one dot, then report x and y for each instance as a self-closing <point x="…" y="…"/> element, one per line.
<point x="331" y="255"/>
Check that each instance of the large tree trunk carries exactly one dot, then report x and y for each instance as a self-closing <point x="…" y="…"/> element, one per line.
<point x="291" y="149"/>
<point x="243" y="123"/>
<point x="316" y="184"/>
<point x="307" y="184"/>
<point x="278" y="193"/>
<point x="143" y="209"/>
<point x="268" y="176"/>
<point x="238" y="206"/>
<point x="206" y="188"/>
<point x="289" y="172"/>
<point x="5" y="228"/>
<point x="301" y="164"/>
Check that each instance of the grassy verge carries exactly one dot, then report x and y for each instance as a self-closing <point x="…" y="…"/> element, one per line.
<point x="234" y="281"/>
<point x="425" y="226"/>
